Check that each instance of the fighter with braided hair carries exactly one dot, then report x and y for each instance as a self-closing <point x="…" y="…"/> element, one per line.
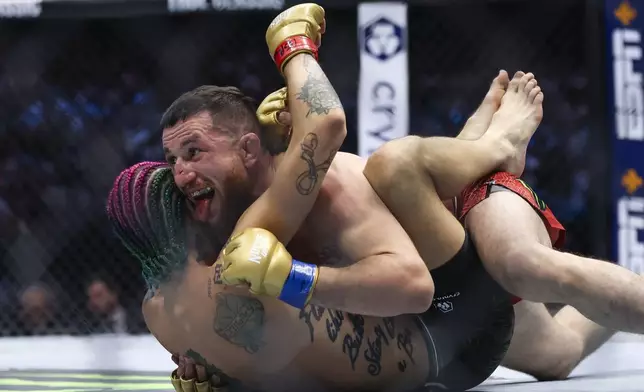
<point x="148" y="215"/>
<point x="279" y="340"/>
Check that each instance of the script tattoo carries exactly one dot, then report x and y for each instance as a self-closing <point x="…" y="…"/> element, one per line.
<point x="404" y="343"/>
<point x="307" y="181"/>
<point x="317" y="91"/>
<point x="240" y="321"/>
<point x="373" y="353"/>
<point x="310" y="313"/>
<point x="352" y="342"/>
<point x="384" y="335"/>
<point x="334" y="323"/>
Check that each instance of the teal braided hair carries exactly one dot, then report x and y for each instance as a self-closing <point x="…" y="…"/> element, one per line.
<point x="148" y="213"/>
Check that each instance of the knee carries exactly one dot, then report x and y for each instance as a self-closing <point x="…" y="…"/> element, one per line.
<point x="560" y="368"/>
<point x="556" y="357"/>
<point x="553" y="373"/>
<point x="391" y="161"/>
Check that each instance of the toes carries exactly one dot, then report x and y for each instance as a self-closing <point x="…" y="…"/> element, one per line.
<point x="530" y="85"/>
<point x="514" y="83"/>
<point x="501" y="81"/>
<point x="538" y="100"/>
<point x="533" y="93"/>
<point x="525" y="80"/>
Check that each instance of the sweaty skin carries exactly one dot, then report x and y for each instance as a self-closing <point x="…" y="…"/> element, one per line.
<point x="260" y="341"/>
<point x="335" y="350"/>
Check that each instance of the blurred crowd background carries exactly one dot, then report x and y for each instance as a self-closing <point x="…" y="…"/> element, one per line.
<point x="80" y="100"/>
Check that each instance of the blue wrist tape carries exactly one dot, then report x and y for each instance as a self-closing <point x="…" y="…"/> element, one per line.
<point x="299" y="284"/>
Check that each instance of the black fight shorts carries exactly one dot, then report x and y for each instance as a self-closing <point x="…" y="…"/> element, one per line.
<point x="469" y="325"/>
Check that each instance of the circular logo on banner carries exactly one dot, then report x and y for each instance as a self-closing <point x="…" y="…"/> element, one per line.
<point x="382" y="38"/>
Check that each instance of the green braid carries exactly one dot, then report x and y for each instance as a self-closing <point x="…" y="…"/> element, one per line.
<point x="148" y="214"/>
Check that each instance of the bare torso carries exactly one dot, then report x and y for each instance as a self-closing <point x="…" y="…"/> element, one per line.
<point x="335" y="350"/>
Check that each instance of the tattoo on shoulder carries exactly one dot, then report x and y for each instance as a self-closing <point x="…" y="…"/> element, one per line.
<point x="317" y="91"/>
<point x="307" y="181"/>
<point x="240" y="321"/>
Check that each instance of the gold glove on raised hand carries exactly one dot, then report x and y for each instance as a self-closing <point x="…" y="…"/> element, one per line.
<point x="276" y="135"/>
<point x="299" y="29"/>
<point x="256" y="258"/>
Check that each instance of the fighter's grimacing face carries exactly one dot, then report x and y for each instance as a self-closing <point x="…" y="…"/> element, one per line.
<point x="209" y="170"/>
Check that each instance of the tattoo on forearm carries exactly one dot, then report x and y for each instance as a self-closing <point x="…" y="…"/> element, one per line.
<point x="317" y="91"/>
<point x="307" y="181"/>
<point x="383" y="335"/>
<point x="240" y="321"/>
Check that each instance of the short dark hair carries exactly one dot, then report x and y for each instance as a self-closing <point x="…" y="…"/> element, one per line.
<point x="219" y="101"/>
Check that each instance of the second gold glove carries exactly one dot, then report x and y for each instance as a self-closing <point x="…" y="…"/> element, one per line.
<point x="255" y="257"/>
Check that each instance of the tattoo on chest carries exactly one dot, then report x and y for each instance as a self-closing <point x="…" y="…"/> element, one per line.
<point x="308" y="180"/>
<point x="209" y="288"/>
<point x="384" y="334"/>
<point x="240" y="321"/>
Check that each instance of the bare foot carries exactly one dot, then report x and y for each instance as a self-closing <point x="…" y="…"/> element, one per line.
<point x="516" y="120"/>
<point x="479" y="122"/>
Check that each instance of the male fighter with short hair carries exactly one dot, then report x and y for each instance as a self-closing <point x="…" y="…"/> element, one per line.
<point x="262" y="342"/>
<point x="544" y="346"/>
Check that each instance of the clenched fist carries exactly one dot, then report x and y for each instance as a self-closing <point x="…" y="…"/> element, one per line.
<point x="299" y="29"/>
<point x="256" y="258"/>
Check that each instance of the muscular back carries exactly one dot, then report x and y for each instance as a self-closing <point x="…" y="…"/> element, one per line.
<point x="259" y="344"/>
<point x="265" y="344"/>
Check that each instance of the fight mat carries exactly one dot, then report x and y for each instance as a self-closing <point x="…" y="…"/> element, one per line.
<point x="88" y="366"/>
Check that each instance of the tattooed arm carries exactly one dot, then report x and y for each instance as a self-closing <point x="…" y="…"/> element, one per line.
<point x="319" y="128"/>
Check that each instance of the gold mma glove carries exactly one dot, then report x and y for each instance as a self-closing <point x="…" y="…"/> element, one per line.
<point x="299" y="29"/>
<point x="256" y="258"/>
<point x="192" y="385"/>
<point x="276" y="134"/>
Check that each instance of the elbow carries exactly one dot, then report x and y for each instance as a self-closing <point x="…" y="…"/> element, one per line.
<point x="334" y="125"/>
<point x="415" y="289"/>
<point x="420" y="292"/>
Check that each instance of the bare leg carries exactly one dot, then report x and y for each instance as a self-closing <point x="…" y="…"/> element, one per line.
<point x="546" y="347"/>
<point x="411" y="175"/>
<point x="604" y="292"/>
<point x="541" y="347"/>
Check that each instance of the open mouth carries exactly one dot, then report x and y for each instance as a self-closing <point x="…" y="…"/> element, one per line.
<point x="201" y="200"/>
<point x="203" y="194"/>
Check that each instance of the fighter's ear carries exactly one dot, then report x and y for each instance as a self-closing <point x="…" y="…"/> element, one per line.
<point x="251" y="148"/>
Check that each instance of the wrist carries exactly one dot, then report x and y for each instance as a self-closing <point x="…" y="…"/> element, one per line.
<point x="299" y="285"/>
<point x="291" y="47"/>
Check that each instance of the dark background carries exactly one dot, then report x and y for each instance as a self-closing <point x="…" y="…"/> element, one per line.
<point x="80" y="100"/>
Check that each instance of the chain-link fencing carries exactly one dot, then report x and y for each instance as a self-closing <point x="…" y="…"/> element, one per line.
<point x="81" y="99"/>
